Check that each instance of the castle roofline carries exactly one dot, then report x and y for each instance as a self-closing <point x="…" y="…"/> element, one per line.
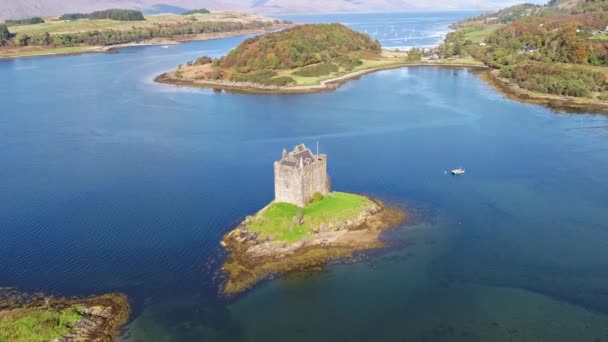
<point x="300" y="156"/>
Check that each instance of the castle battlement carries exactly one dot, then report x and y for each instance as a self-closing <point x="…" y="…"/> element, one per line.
<point x="299" y="175"/>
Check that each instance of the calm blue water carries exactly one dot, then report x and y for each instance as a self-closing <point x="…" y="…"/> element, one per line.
<point x="110" y="182"/>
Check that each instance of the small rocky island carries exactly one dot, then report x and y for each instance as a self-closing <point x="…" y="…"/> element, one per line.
<point x="306" y="226"/>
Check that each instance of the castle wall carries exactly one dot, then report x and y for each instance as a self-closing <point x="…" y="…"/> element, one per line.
<point x="288" y="185"/>
<point x="298" y="185"/>
<point x="315" y="179"/>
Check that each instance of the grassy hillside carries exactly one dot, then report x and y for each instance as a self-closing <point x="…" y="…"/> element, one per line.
<point x="53" y="25"/>
<point x="558" y="49"/>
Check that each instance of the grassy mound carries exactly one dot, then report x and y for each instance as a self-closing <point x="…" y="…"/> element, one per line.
<point x="37" y="324"/>
<point x="277" y="220"/>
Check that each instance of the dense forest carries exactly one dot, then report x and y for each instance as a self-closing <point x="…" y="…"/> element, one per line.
<point x="112" y="37"/>
<point x="118" y="14"/>
<point x="297" y="47"/>
<point x="112" y="14"/>
<point x="542" y="48"/>
<point x="197" y="11"/>
<point x="26" y="21"/>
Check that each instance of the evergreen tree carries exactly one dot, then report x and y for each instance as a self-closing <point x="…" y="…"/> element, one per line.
<point x="197" y="11"/>
<point x="73" y="16"/>
<point x="5" y="34"/>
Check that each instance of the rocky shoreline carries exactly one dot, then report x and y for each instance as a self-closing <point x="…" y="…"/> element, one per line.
<point x="102" y="316"/>
<point x="324" y="86"/>
<point x="252" y="259"/>
<point x="504" y="86"/>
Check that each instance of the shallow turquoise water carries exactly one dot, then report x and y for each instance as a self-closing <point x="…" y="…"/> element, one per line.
<point x="111" y="182"/>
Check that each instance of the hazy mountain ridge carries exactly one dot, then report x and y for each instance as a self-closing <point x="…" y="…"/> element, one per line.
<point x="25" y="8"/>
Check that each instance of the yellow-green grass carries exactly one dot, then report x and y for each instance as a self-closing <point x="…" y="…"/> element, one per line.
<point x="597" y="68"/>
<point x="315" y="80"/>
<point x="37" y="324"/>
<point x="61" y="50"/>
<point x="479" y="36"/>
<point x="84" y="25"/>
<point x="467" y="60"/>
<point x="371" y="64"/>
<point x="276" y="220"/>
<point x="601" y="36"/>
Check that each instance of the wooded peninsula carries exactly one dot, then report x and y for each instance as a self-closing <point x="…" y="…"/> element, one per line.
<point x="301" y="59"/>
<point x="104" y="30"/>
<point x="554" y="54"/>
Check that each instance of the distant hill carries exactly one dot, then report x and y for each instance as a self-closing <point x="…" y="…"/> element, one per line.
<point x="163" y="8"/>
<point x="14" y="9"/>
<point x="28" y="8"/>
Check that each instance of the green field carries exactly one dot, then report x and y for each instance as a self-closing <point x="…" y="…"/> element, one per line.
<point x="276" y="220"/>
<point x="84" y="25"/>
<point x="36" y="324"/>
<point x="479" y="36"/>
<point x="367" y="64"/>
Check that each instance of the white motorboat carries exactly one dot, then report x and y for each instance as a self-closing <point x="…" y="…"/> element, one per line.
<point x="459" y="171"/>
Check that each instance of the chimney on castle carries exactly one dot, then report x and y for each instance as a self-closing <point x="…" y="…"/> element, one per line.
<point x="284" y="153"/>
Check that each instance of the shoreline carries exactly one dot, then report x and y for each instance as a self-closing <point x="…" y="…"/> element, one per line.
<point x="154" y="42"/>
<point x="103" y="316"/>
<point x="252" y="259"/>
<point x="324" y="85"/>
<point x="557" y="102"/>
<point x="489" y="75"/>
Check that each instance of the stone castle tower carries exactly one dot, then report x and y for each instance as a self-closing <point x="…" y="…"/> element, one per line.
<point x="299" y="175"/>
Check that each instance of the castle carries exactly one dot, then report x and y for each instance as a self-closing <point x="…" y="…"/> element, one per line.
<point x="299" y="175"/>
